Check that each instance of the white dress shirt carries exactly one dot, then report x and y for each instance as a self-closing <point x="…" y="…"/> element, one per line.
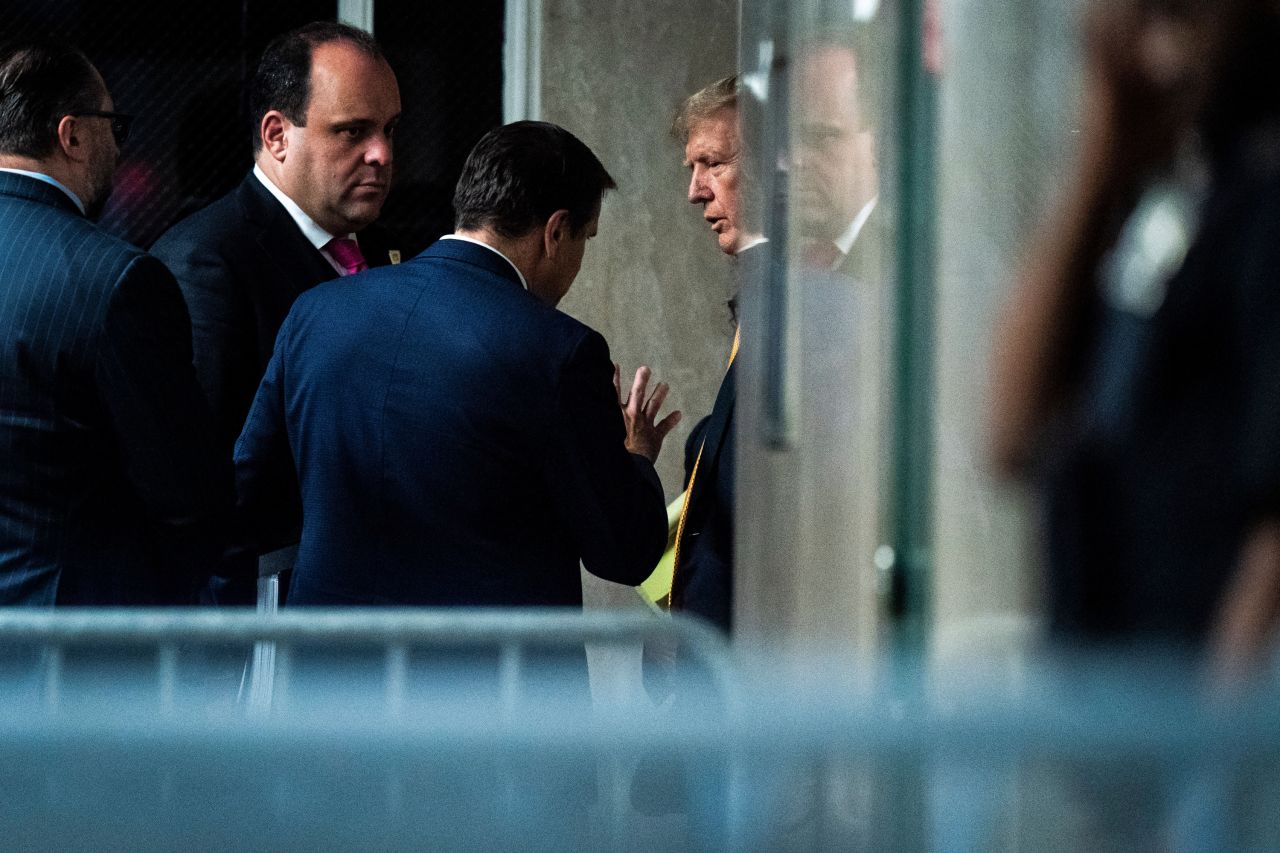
<point x="315" y="235"/>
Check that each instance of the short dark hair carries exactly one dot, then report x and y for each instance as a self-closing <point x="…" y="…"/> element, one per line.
<point x="283" y="79"/>
<point x="519" y="174"/>
<point x="40" y="82"/>
<point x="703" y="104"/>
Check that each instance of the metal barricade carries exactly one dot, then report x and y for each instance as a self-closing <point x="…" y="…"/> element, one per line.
<point x="774" y="754"/>
<point x="396" y="630"/>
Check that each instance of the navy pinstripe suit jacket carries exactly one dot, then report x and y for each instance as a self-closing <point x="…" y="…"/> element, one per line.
<point x="110" y="489"/>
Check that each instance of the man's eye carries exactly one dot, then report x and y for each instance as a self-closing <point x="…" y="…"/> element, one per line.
<point x="350" y="132"/>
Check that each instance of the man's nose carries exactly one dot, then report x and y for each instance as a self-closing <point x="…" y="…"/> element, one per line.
<point x="378" y="153"/>
<point x="699" y="191"/>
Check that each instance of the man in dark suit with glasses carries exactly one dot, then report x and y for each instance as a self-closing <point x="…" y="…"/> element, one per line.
<point x="110" y="489"/>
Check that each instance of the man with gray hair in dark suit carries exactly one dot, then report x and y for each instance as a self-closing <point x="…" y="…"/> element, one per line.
<point x="110" y="490"/>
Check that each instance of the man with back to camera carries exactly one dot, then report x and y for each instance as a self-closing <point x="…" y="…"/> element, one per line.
<point x="325" y="105"/>
<point x="458" y="440"/>
<point x="110" y="490"/>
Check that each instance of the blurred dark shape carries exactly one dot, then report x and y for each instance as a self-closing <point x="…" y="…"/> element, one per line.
<point x="1135" y="365"/>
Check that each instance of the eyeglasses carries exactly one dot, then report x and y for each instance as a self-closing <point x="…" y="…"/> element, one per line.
<point x="120" y="123"/>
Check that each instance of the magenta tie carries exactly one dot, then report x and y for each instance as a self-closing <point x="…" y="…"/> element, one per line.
<point x="346" y="252"/>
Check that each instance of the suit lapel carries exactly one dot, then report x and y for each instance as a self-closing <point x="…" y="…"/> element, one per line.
<point x="721" y="417"/>
<point x="377" y="247"/>
<point x="298" y="265"/>
<point x="864" y="260"/>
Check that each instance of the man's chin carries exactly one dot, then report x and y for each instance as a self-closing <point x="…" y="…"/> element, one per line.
<point x="357" y="217"/>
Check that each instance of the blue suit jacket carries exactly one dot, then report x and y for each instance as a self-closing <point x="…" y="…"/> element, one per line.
<point x="455" y="441"/>
<point x="110" y="490"/>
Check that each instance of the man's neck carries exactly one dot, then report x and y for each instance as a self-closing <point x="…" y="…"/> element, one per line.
<point x="749" y="242"/>
<point x="44" y="167"/>
<point x="520" y="251"/>
<point x="50" y="169"/>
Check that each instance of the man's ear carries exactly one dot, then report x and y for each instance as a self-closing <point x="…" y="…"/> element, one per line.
<point x="272" y="132"/>
<point x="555" y="232"/>
<point x="69" y="139"/>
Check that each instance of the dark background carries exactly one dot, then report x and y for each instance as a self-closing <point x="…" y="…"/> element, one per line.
<point x="182" y="69"/>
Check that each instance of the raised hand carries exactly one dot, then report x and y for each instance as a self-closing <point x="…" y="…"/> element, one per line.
<point x="644" y="434"/>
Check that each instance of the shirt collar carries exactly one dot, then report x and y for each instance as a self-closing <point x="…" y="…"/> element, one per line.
<point x="41" y="176"/>
<point x="316" y="235"/>
<point x="845" y="241"/>
<point x="523" y="283"/>
<point x="751" y="242"/>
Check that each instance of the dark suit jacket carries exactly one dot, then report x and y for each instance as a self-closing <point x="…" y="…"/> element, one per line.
<point x="241" y="262"/>
<point x="703" y="579"/>
<point x="457" y="443"/>
<point x="110" y="489"/>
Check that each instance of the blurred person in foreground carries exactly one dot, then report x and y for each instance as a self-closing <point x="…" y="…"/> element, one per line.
<point x="110" y="490"/>
<point x="458" y="440"/>
<point x="325" y="105"/>
<point x="1137" y="362"/>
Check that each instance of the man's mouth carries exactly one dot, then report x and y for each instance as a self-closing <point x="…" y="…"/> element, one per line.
<point x="370" y="188"/>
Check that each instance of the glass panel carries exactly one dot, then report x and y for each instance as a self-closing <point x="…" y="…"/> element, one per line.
<point x="900" y="154"/>
<point x="816" y="389"/>
<point x="1006" y="128"/>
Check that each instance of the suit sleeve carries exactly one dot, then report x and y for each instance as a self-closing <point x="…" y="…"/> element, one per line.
<point x="269" y="508"/>
<point x="611" y="498"/>
<point x="222" y="338"/>
<point x="161" y="420"/>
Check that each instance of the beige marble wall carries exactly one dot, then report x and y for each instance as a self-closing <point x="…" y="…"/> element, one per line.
<point x="653" y="282"/>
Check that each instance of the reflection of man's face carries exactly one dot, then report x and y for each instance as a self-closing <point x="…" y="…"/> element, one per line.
<point x="338" y="166"/>
<point x="834" y="162"/>
<point x="712" y="156"/>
